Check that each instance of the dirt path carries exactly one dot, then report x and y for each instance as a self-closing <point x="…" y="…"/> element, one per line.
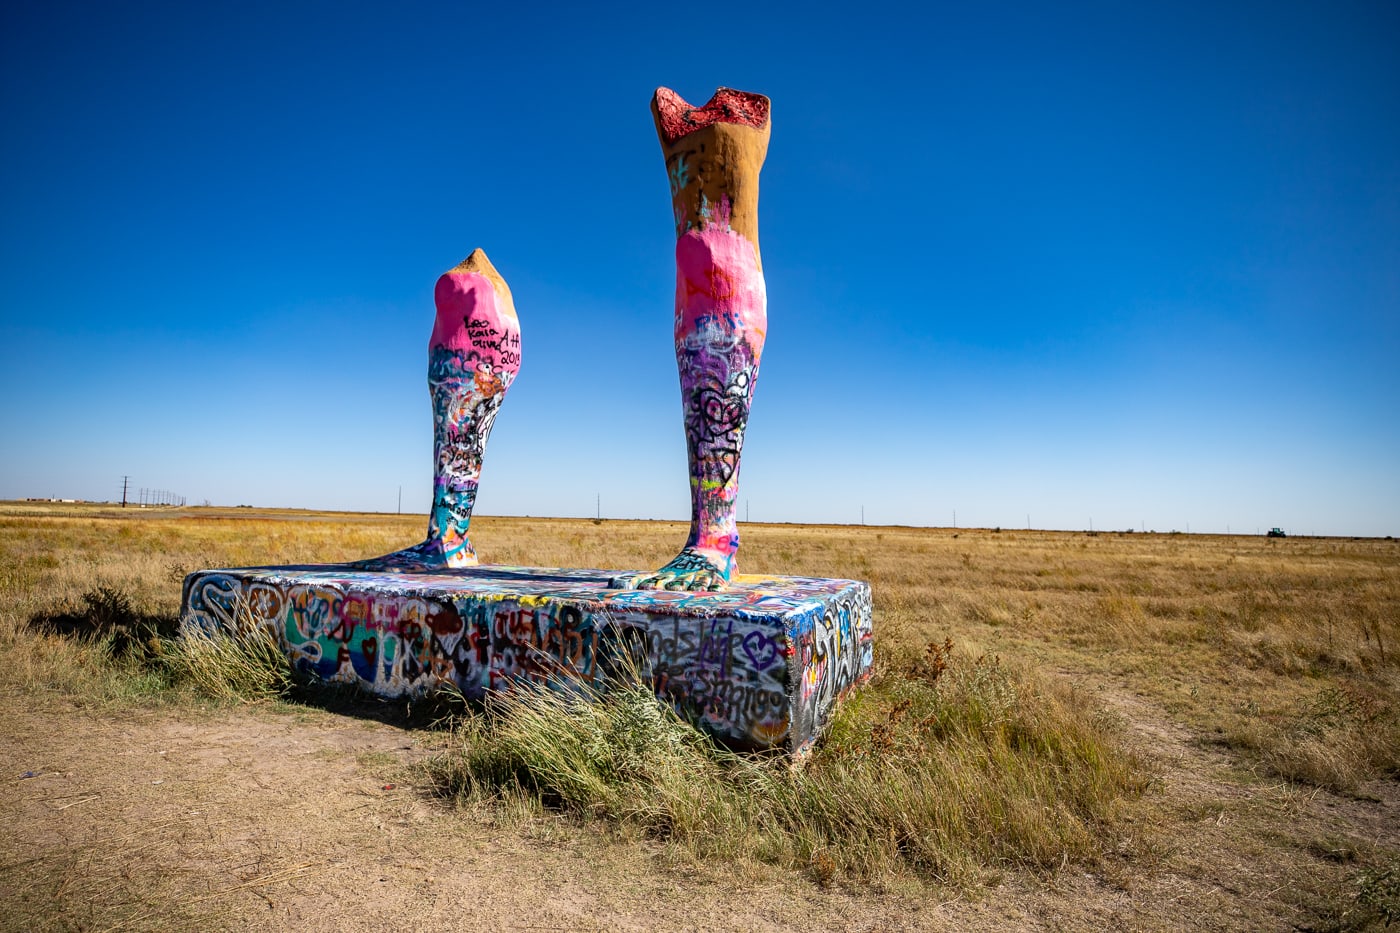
<point x="1254" y="853"/>
<point x="271" y="820"/>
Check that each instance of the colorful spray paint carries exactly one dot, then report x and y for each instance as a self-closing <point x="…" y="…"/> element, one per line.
<point x="473" y="357"/>
<point x="713" y="157"/>
<point x="757" y="661"/>
<point x="758" y="665"/>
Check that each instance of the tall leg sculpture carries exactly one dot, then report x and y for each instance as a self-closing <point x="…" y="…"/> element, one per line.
<point x="713" y="157"/>
<point x="473" y="356"/>
<point x="761" y="665"/>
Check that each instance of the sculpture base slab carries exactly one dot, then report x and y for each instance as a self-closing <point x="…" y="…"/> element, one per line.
<point x="759" y="665"/>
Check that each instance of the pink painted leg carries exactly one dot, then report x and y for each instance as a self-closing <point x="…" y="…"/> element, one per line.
<point x="713" y="158"/>
<point x="473" y="357"/>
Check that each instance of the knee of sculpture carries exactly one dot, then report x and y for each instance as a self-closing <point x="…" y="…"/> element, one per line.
<point x="713" y="158"/>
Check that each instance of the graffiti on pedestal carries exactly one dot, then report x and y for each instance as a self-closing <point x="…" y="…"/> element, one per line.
<point x="754" y="665"/>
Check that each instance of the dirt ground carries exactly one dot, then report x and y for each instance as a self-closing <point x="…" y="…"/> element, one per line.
<point x="280" y="817"/>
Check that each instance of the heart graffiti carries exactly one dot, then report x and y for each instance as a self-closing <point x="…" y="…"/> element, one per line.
<point x="761" y="649"/>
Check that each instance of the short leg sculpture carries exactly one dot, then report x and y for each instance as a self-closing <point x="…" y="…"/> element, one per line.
<point x="713" y="157"/>
<point x="473" y="356"/>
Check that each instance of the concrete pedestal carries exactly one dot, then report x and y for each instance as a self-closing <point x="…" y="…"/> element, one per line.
<point x="760" y="665"/>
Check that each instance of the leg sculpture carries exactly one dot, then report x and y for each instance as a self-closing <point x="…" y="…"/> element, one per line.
<point x="473" y="356"/>
<point x="713" y="157"/>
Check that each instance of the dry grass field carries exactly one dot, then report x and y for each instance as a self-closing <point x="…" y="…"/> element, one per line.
<point x="1064" y="731"/>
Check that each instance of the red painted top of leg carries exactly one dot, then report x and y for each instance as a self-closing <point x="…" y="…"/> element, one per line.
<point x="678" y="118"/>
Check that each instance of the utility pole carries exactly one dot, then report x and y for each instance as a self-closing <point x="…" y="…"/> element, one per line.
<point x="746" y="511"/>
<point x="125" y="480"/>
<point x="955" y="518"/>
<point x="400" y="508"/>
<point x="600" y="507"/>
<point x="862" y="515"/>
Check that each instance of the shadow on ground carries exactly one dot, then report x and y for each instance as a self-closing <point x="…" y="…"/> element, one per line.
<point x="106" y="614"/>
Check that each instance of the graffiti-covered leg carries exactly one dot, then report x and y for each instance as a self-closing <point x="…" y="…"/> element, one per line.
<point x="713" y="157"/>
<point x="473" y="356"/>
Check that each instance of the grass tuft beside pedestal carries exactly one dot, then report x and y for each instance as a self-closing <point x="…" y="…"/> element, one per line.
<point x="931" y="771"/>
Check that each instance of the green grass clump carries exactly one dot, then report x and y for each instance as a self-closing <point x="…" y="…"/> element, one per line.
<point x="618" y="755"/>
<point x="936" y="773"/>
<point x="1378" y="891"/>
<point x="230" y="666"/>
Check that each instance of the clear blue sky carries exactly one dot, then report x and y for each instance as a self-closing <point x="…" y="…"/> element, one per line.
<point x="1121" y="263"/>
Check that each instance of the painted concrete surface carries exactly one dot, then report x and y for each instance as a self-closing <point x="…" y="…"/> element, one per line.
<point x="760" y="664"/>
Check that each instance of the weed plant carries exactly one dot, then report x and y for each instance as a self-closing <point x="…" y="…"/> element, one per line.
<point x="1378" y="893"/>
<point x="229" y="667"/>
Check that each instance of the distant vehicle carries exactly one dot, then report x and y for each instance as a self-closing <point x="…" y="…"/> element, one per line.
<point x="1277" y="533"/>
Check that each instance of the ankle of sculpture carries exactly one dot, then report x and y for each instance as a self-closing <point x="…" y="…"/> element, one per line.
<point x="448" y="524"/>
<point x="709" y="559"/>
<point x="714" y="526"/>
<point x="722" y="559"/>
<point x="692" y="569"/>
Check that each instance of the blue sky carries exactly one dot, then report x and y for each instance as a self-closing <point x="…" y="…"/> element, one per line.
<point x="1128" y="264"/>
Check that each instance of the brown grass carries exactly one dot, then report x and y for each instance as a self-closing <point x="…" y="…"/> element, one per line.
<point x="1282" y="654"/>
<point x="1289" y="648"/>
